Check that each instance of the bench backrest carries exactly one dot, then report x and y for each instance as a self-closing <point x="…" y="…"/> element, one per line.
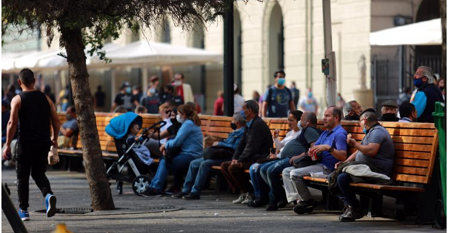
<point x="415" y="143"/>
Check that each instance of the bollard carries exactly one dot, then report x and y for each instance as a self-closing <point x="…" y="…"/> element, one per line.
<point x="440" y="122"/>
<point x="11" y="213"/>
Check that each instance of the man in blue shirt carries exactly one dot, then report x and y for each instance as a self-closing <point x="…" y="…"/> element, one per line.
<point x="330" y="148"/>
<point x="277" y="101"/>
<point x="214" y="156"/>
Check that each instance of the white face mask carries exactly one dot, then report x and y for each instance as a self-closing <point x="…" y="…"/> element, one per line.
<point x="299" y="124"/>
<point x="180" y="120"/>
<point x="177" y="83"/>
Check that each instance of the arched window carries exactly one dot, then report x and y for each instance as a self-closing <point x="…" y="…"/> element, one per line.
<point x="165" y="32"/>
<point x="275" y="40"/>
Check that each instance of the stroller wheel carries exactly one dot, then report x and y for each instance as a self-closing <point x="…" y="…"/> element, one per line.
<point x="140" y="185"/>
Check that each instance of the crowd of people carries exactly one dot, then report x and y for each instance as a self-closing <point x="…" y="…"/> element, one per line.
<point x="305" y="149"/>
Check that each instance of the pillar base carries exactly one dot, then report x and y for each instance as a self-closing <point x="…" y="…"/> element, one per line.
<point x="364" y="98"/>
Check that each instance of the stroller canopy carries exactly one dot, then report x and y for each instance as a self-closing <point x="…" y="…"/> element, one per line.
<point x="119" y="125"/>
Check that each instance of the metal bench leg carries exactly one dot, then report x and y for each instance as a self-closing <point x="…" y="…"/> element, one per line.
<point x="373" y="205"/>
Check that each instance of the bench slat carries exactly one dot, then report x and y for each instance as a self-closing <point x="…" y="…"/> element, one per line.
<point x="410" y="170"/>
<point x="412" y="162"/>
<point x="412" y="154"/>
<point x="412" y="147"/>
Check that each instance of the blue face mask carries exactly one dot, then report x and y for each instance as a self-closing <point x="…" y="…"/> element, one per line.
<point x="281" y="81"/>
<point x="243" y="115"/>
<point x="364" y="130"/>
<point x="310" y="94"/>
<point x="128" y="89"/>
<point x="418" y="82"/>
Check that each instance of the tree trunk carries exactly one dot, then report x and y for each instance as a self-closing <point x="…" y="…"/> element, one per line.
<point x="92" y="154"/>
<point x="443" y="9"/>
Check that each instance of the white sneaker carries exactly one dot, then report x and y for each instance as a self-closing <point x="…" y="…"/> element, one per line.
<point x="241" y="198"/>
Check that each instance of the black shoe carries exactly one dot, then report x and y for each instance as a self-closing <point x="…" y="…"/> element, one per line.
<point x="272" y="206"/>
<point x="172" y="190"/>
<point x="283" y="203"/>
<point x="305" y="207"/>
<point x="191" y="196"/>
<point x="258" y="202"/>
<point x="179" y="195"/>
<point x="351" y="214"/>
<point x="152" y="192"/>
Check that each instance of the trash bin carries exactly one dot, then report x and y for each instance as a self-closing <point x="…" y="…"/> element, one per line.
<point x="439" y="121"/>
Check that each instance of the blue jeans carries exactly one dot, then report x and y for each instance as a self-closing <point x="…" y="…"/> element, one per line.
<point x="271" y="175"/>
<point x="179" y="162"/>
<point x="198" y="174"/>
<point x="343" y="181"/>
<point x="260" y="187"/>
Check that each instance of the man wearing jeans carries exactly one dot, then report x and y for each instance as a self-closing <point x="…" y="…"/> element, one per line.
<point x="331" y="147"/>
<point x="34" y="110"/>
<point x="199" y="169"/>
<point x="376" y="149"/>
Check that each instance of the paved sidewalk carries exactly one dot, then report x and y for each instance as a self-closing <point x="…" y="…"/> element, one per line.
<point x="213" y="213"/>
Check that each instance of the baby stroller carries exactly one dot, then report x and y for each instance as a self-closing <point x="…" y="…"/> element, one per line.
<point x="129" y="167"/>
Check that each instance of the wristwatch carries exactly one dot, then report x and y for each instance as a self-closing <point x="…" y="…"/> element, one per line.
<point x="331" y="149"/>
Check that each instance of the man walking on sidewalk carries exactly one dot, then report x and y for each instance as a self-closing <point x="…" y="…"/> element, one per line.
<point x="34" y="110"/>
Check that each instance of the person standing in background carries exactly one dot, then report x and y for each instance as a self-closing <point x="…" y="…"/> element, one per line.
<point x="48" y="92"/>
<point x="277" y="101"/>
<point x="125" y="98"/>
<point x="238" y="99"/>
<point x="308" y="103"/>
<point x="295" y="93"/>
<point x="63" y="98"/>
<point x="182" y="89"/>
<point x="99" y="100"/>
<point x="218" y="104"/>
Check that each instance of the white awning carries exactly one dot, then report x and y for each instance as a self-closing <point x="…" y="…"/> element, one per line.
<point x="45" y="59"/>
<point x="153" y="53"/>
<point x="421" y="33"/>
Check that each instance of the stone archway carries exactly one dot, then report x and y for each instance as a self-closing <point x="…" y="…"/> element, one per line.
<point x="273" y="42"/>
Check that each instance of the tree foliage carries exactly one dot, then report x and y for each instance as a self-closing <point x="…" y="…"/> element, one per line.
<point x="104" y="19"/>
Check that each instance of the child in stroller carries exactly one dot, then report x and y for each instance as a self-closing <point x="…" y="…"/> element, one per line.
<point x="134" y="157"/>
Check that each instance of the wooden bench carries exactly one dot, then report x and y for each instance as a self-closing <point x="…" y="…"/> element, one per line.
<point x="414" y="166"/>
<point x="415" y="154"/>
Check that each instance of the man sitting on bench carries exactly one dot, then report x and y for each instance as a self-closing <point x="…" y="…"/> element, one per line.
<point x="256" y="143"/>
<point x="330" y="148"/>
<point x="68" y="132"/>
<point x="377" y="150"/>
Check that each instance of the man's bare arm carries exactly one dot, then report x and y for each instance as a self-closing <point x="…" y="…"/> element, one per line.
<point x="55" y="121"/>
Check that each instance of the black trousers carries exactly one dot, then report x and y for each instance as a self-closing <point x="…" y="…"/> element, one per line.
<point x="32" y="160"/>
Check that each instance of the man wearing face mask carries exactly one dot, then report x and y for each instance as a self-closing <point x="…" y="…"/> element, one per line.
<point x="256" y="143"/>
<point x="183" y="90"/>
<point x="389" y="111"/>
<point x="277" y="100"/>
<point x="353" y="109"/>
<point x="151" y="100"/>
<point x="308" y="103"/>
<point x="427" y="94"/>
<point x="220" y="152"/>
<point x="125" y="98"/>
<point x="377" y="150"/>
<point x="68" y="130"/>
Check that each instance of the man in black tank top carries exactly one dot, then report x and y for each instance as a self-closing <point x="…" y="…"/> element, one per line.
<point x="34" y="110"/>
